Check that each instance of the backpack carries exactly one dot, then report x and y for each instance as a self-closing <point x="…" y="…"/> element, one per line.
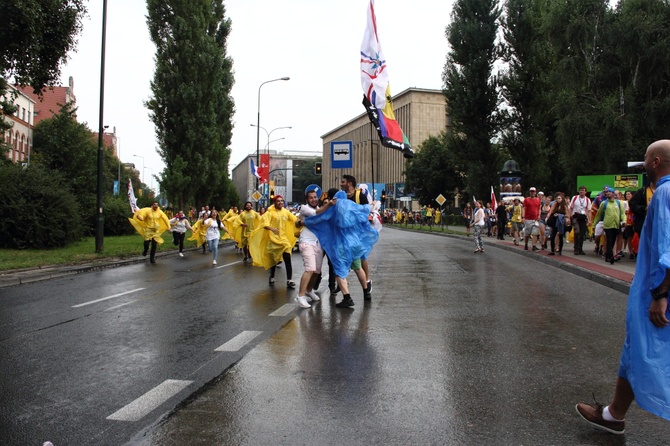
<point x="618" y="203"/>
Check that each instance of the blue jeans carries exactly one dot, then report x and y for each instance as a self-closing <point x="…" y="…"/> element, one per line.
<point x="213" y="247"/>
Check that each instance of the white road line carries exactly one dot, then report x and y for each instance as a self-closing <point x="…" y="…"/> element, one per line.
<point x="106" y="298"/>
<point x="238" y="341"/>
<point x="228" y="264"/>
<point x="143" y="405"/>
<point x="283" y="310"/>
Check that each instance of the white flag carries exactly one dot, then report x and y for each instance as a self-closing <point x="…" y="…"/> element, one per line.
<point x="131" y="197"/>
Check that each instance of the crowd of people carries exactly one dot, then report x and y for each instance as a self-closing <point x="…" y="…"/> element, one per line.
<point x="341" y="226"/>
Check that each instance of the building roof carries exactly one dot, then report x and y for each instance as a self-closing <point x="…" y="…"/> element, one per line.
<point x="53" y="98"/>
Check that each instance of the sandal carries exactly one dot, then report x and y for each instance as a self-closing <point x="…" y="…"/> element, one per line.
<point x="290" y="284"/>
<point x="272" y="281"/>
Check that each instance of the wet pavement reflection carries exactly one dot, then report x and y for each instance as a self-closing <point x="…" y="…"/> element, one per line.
<point x="454" y="348"/>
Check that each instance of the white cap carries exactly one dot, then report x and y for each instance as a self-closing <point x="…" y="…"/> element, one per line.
<point x="532" y="189"/>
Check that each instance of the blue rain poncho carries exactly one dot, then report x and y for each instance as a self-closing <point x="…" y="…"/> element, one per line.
<point x="344" y="232"/>
<point x="645" y="358"/>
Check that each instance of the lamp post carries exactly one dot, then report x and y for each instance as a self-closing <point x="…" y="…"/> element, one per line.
<point x="258" y="122"/>
<point x="140" y="156"/>
<point x="152" y="178"/>
<point x="100" y="220"/>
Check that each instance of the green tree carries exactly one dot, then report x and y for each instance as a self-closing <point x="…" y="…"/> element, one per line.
<point x="527" y="121"/>
<point x="431" y="172"/>
<point x="191" y="105"/>
<point x="35" y="37"/>
<point x="470" y="90"/>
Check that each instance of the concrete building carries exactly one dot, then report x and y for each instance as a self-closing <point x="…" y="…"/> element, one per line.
<point x="420" y="112"/>
<point x="19" y="138"/>
<point x="286" y="169"/>
<point x="53" y="98"/>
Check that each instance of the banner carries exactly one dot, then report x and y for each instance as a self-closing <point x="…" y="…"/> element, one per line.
<point x="131" y="197"/>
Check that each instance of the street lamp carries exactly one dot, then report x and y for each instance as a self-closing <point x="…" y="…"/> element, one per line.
<point x="145" y="177"/>
<point x="140" y="156"/>
<point x="100" y="220"/>
<point x="258" y="121"/>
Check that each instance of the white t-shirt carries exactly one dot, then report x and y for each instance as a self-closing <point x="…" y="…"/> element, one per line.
<point x="479" y="214"/>
<point x="212" y="229"/>
<point x="580" y="205"/>
<point x="307" y="236"/>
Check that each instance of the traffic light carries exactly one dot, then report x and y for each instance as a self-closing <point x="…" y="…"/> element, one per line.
<point x="272" y="195"/>
<point x="317" y="168"/>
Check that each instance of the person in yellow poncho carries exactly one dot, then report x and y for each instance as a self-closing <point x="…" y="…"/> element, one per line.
<point x="199" y="232"/>
<point x="243" y="226"/>
<point x="438" y="216"/>
<point x="227" y="221"/>
<point x="274" y="239"/>
<point x="150" y="223"/>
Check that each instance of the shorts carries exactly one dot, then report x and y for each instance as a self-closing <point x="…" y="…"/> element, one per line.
<point x="531" y="227"/>
<point x="517" y="226"/>
<point x="600" y="230"/>
<point x="356" y="264"/>
<point x="312" y="257"/>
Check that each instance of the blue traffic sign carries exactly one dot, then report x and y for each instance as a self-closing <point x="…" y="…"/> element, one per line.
<point x="313" y="187"/>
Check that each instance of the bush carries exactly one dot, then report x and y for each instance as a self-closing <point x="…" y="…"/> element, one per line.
<point x="117" y="211"/>
<point x="37" y="209"/>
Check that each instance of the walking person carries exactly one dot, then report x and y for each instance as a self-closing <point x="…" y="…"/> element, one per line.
<point x="312" y="253"/>
<point x="248" y="221"/>
<point x="613" y="218"/>
<point x="478" y="224"/>
<point x="348" y="185"/>
<point x="644" y="368"/>
<point x="467" y="217"/>
<point x="501" y="217"/>
<point x="557" y="219"/>
<point x="179" y="225"/>
<point x="150" y="223"/>
<point x="213" y="225"/>
<point x="580" y="208"/>
<point x="274" y="240"/>
<point x="516" y="213"/>
<point x="531" y="215"/>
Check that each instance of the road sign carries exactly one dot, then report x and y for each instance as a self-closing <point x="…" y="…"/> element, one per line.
<point x="256" y="196"/>
<point x="440" y="199"/>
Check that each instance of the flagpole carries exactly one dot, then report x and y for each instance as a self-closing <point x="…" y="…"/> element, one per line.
<point x="372" y="161"/>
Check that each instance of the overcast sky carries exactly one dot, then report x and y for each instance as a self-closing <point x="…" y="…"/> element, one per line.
<point x="315" y="43"/>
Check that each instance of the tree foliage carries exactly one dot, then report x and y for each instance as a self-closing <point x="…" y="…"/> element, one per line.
<point x="431" y="172"/>
<point x="37" y="209"/>
<point x="35" y="38"/>
<point x="191" y="105"/>
<point x="471" y="94"/>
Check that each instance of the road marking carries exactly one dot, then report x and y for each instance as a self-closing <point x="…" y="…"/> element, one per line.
<point x="106" y="298"/>
<point x="283" y="310"/>
<point x="143" y="405"/>
<point x="238" y="341"/>
<point x="228" y="264"/>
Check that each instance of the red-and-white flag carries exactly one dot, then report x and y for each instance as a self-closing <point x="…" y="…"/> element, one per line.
<point x="377" y="90"/>
<point x="494" y="202"/>
<point x="131" y="197"/>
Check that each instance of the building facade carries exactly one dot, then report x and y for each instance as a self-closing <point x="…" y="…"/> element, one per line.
<point x="19" y="138"/>
<point x="421" y="113"/>
<point x="286" y="168"/>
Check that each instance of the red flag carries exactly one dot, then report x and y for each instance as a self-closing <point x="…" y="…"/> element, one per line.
<point x="494" y="202"/>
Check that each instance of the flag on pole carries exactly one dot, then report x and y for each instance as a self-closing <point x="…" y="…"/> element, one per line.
<point x="131" y="197"/>
<point x="377" y="90"/>
<point x="494" y="202"/>
<point x="254" y="169"/>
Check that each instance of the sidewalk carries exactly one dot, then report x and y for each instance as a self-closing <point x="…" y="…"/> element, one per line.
<point x="592" y="267"/>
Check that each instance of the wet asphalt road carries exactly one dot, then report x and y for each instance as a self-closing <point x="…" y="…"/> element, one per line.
<point x="455" y="348"/>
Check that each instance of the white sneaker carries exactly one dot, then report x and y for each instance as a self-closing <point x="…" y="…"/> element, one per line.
<point x="181" y="254"/>
<point x="300" y="300"/>
<point x="312" y="296"/>
<point x="214" y="262"/>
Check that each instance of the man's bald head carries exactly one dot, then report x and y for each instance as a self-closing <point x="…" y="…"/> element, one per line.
<point x="657" y="159"/>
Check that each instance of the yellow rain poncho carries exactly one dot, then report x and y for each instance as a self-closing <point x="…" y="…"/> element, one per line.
<point x="241" y="233"/>
<point x="266" y="247"/>
<point x="152" y="225"/>
<point x="199" y="232"/>
<point x="227" y="221"/>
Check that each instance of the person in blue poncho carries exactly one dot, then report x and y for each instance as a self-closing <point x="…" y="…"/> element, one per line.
<point x="345" y="233"/>
<point x="644" y="369"/>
